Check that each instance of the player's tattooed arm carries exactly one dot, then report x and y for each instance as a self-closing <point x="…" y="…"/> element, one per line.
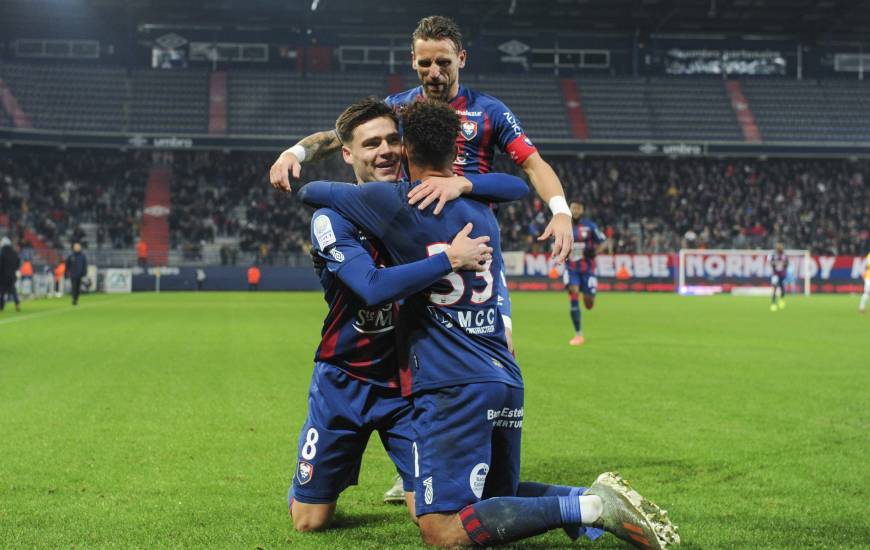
<point x="313" y="148"/>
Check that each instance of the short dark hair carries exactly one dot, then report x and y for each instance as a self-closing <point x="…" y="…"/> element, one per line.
<point x="430" y="127"/>
<point x="438" y="27"/>
<point x="360" y="112"/>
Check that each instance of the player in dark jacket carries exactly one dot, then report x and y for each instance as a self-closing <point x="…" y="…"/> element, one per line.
<point x="76" y="270"/>
<point x="9" y="263"/>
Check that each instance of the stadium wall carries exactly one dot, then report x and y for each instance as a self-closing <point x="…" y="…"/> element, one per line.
<point x="537" y="272"/>
<point x="659" y="272"/>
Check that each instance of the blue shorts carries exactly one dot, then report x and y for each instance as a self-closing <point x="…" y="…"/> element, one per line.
<point x="466" y="445"/>
<point x="343" y="411"/>
<point x="586" y="281"/>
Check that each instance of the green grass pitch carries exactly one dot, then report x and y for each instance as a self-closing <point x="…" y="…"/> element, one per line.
<point x="170" y="420"/>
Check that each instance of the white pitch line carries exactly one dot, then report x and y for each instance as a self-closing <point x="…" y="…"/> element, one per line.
<point x="18" y="317"/>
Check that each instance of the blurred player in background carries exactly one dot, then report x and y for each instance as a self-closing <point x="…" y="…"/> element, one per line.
<point x="779" y="266"/>
<point x="354" y="388"/>
<point x="76" y="270"/>
<point x="9" y="263"/>
<point x="862" y="307"/>
<point x="579" y="274"/>
<point x="466" y="386"/>
<point x="437" y="56"/>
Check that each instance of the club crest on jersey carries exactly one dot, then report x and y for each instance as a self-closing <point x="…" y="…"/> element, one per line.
<point x="477" y="479"/>
<point x="304" y="472"/>
<point x="468" y="129"/>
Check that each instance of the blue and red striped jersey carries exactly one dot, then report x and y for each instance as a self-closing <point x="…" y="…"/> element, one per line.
<point x="356" y="338"/>
<point x="778" y="264"/>
<point x="485" y="123"/>
<point x="455" y="332"/>
<point x="587" y="237"/>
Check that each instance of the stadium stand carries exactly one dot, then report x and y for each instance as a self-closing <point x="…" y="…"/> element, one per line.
<point x="69" y="97"/>
<point x="104" y="98"/>
<point x="800" y="110"/>
<point x="265" y="102"/>
<point x="224" y="211"/>
<point x="169" y="101"/>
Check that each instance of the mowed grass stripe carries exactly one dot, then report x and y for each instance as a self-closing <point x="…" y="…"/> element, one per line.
<point x="170" y="420"/>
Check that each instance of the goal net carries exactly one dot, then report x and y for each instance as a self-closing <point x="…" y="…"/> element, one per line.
<point x="739" y="272"/>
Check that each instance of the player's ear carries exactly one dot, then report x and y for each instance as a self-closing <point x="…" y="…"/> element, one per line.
<point x="463" y="55"/>
<point x="413" y="60"/>
<point x="346" y="154"/>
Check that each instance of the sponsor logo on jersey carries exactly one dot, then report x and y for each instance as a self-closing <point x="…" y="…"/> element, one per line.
<point x="477" y="479"/>
<point x="512" y="121"/>
<point x="323" y="231"/>
<point x="527" y="141"/>
<point x="304" y="472"/>
<point x="336" y="253"/>
<point x="440" y="316"/>
<point x="481" y="321"/>
<point x="469" y="113"/>
<point x="461" y="158"/>
<point x="374" y="320"/>
<point x="506" y="417"/>
<point x="468" y="129"/>
<point x="429" y="495"/>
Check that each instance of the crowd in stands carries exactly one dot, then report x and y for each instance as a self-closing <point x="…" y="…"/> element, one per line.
<point x="643" y="205"/>
<point x="53" y="192"/>
<point x="661" y="205"/>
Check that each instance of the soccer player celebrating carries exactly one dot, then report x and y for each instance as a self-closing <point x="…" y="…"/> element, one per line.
<point x="466" y="387"/>
<point x="354" y="387"/>
<point x="779" y="266"/>
<point x="485" y="122"/>
<point x="579" y="274"/>
<point x="862" y="307"/>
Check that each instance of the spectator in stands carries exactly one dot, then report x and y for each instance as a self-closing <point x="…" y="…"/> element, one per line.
<point x="76" y="270"/>
<point x="142" y="253"/>
<point x="9" y="264"/>
<point x="253" y="277"/>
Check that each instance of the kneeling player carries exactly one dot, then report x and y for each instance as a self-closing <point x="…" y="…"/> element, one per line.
<point x="466" y="386"/>
<point x="354" y="388"/>
<point x="579" y="274"/>
<point x="779" y="266"/>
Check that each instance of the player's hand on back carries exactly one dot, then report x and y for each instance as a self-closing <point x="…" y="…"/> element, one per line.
<point x="287" y="163"/>
<point x="563" y="236"/>
<point x="441" y="189"/>
<point x="469" y="254"/>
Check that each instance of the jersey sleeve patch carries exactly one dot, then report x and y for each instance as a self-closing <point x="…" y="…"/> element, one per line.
<point x="323" y="232"/>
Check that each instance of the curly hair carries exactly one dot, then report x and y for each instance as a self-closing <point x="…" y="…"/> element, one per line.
<point x="438" y="27"/>
<point x="360" y="112"/>
<point x="430" y="127"/>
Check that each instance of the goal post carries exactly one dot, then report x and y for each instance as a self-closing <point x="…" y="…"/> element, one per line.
<point x="739" y="272"/>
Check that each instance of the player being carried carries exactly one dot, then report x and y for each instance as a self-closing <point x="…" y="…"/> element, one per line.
<point x="862" y="307"/>
<point x="486" y="123"/>
<point x="466" y="387"/>
<point x="354" y="387"/>
<point x="579" y="274"/>
<point x="779" y="266"/>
